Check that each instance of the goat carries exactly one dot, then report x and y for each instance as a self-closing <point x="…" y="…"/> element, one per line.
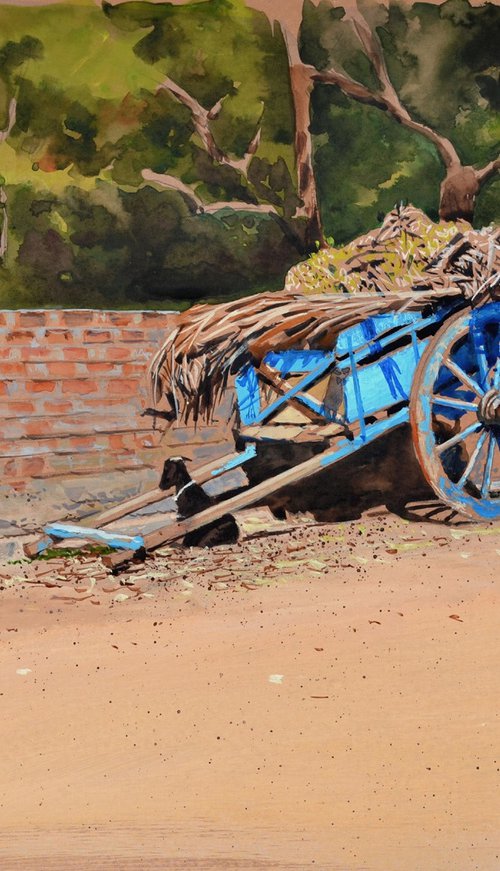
<point x="190" y="499"/>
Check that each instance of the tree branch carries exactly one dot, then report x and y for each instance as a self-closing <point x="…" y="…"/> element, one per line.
<point x="483" y="175"/>
<point x="173" y="183"/>
<point x="12" y="115"/>
<point x="350" y="87"/>
<point x="375" y="53"/>
<point x="199" y="115"/>
<point x="240" y="206"/>
<point x="387" y="100"/>
<point x="362" y="94"/>
<point x="201" y="118"/>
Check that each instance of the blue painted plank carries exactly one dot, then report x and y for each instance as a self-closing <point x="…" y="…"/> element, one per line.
<point x="385" y="341"/>
<point x="356" y="409"/>
<point x="364" y="337"/>
<point x="238" y="460"/>
<point x="381" y="384"/>
<point x="247" y="392"/>
<point x="373" y="431"/>
<point x="373" y="327"/>
<point x="294" y="362"/>
<point x="44" y="544"/>
<point x="110" y="539"/>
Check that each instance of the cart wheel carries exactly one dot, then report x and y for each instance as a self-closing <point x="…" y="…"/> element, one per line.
<point x="455" y="412"/>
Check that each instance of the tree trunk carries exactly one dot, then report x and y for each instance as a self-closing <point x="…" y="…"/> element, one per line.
<point x="4" y="228"/>
<point x="301" y="87"/>
<point x="458" y="193"/>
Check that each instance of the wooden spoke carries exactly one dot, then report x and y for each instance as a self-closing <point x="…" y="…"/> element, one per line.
<point x="482" y="364"/>
<point x="473" y="460"/>
<point x="452" y="402"/>
<point x="485" y="489"/>
<point x="459" y="437"/>
<point x="462" y="376"/>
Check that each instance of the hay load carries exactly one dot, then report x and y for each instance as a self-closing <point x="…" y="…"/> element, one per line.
<point x="407" y="264"/>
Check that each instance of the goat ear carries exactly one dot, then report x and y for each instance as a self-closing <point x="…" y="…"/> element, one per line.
<point x="187" y="459"/>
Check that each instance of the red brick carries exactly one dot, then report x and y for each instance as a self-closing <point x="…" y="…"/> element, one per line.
<point x="81" y="385"/>
<point x="118" y="405"/>
<point x="78" y="317"/>
<point x="78" y="443"/>
<point x="3" y="319"/>
<point x="116" y="442"/>
<point x="37" y="428"/>
<point x="17" y="408"/>
<point x="96" y="336"/>
<point x="120" y="354"/>
<point x="114" y="386"/>
<point x="55" y="407"/>
<point x="79" y="355"/>
<point x="12" y="370"/>
<point x="62" y="369"/>
<point x="156" y="318"/>
<point x="31" y="319"/>
<point x="55" y="317"/>
<point x="40" y="386"/>
<point x="58" y="336"/>
<point x="20" y="336"/>
<point x="30" y="353"/>
<point x="9" y="352"/>
<point x="24" y="467"/>
<point x="137" y="370"/>
<point x="94" y="366"/>
<point x="124" y="319"/>
<point x="133" y="335"/>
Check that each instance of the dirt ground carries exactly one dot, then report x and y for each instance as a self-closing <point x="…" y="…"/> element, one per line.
<point x="317" y="696"/>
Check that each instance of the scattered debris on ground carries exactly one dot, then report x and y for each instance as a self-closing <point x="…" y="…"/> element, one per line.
<point x="269" y="552"/>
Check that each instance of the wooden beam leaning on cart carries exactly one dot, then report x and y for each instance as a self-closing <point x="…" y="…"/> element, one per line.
<point x="343" y="447"/>
<point x="66" y="530"/>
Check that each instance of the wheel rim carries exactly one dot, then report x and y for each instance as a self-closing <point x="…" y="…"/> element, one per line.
<point x="455" y="412"/>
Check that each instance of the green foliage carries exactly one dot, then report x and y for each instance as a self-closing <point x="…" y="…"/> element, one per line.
<point x="94" y="111"/>
<point x="366" y="160"/>
<point x="444" y="63"/>
<point x="114" y="248"/>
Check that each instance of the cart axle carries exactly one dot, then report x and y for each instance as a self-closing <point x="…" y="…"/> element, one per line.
<point x="488" y="411"/>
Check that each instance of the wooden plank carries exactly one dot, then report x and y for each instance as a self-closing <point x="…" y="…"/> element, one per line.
<point x="343" y="448"/>
<point x="201" y="475"/>
<point x="111" y="539"/>
<point x="299" y="387"/>
<point x="285" y="432"/>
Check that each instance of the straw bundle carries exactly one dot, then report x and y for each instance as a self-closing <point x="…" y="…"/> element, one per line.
<point x="212" y="342"/>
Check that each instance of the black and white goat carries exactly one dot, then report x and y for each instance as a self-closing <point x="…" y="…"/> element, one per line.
<point x="190" y="499"/>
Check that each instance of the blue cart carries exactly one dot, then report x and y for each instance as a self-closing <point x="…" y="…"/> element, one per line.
<point x="437" y="369"/>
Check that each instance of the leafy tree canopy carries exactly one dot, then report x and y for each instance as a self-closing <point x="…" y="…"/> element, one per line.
<point x="148" y="151"/>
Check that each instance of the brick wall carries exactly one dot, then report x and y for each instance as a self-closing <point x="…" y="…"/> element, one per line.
<point x="72" y="388"/>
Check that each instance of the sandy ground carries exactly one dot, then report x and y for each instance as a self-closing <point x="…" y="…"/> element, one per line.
<point x="318" y="696"/>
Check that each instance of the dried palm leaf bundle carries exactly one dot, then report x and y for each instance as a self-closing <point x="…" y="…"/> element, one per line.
<point x="407" y="264"/>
